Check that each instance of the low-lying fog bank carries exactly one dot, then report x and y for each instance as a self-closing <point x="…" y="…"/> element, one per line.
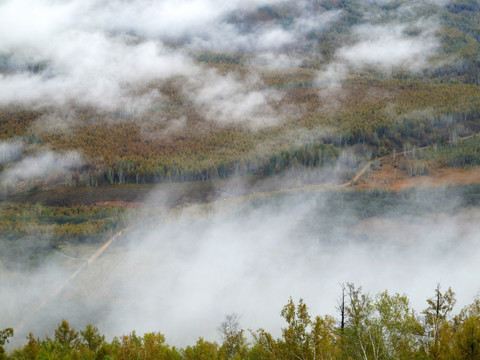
<point x="180" y="274"/>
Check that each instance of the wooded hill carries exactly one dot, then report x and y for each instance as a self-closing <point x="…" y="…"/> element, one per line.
<point x="178" y="139"/>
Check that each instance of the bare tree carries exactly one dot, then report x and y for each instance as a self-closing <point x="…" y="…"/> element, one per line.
<point x="341" y="307"/>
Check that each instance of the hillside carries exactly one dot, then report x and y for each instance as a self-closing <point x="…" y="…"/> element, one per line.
<point x="361" y="78"/>
<point x="164" y="163"/>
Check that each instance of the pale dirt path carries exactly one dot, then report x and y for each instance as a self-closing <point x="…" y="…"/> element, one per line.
<point x="72" y="277"/>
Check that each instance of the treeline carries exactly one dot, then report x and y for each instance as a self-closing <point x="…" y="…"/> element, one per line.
<point x="310" y="156"/>
<point x="29" y="232"/>
<point x="381" y="114"/>
<point x="367" y="327"/>
<point x="59" y="223"/>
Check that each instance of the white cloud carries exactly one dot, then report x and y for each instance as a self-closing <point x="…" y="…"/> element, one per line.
<point x="92" y="68"/>
<point x="102" y="52"/>
<point x="228" y="100"/>
<point x="388" y="46"/>
<point x="405" y="42"/>
<point x="41" y="166"/>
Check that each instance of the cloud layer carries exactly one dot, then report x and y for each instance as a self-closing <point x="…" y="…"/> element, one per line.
<point x="183" y="275"/>
<point x="105" y="53"/>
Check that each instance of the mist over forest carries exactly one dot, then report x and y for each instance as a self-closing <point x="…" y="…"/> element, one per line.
<point x="166" y="165"/>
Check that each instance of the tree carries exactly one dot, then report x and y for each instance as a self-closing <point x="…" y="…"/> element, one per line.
<point x="91" y="338"/>
<point x="299" y="342"/>
<point x="361" y="338"/>
<point x="30" y="350"/>
<point x="467" y="336"/>
<point x="4" y="335"/>
<point x="400" y="327"/>
<point x="325" y="338"/>
<point x="439" y="306"/>
<point x="384" y="327"/>
<point x="202" y="350"/>
<point x="66" y="336"/>
<point x="233" y="338"/>
<point x="302" y="339"/>
<point x="341" y="307"/>
<point x="151" y="346"/>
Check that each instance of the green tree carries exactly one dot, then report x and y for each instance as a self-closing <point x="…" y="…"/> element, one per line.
<point x="467" y="335"/>
<point x="91" y="338"/>
<point x="437" y="326"/>
<point x="299" y="341"/>
<point x="400" y="327"/>
<point x="30" y="350"/>
<point x="234" y="343"/>
<point x="361" y="337"/>
<point x="4" y="335"/>
<point x="66" y="336"/>
<point x="202" y="350"/>
<point x="302" y="339"/>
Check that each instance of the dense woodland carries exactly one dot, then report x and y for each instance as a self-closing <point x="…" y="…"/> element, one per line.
<point x="383" y="326"/>
<point x="120" y="151"/>
<point x="381" y="112"/>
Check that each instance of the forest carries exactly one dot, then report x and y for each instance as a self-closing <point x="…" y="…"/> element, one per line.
<point x="180" y="136"/>
<point x="164" y="162"/>
<point x="383" y="326"/>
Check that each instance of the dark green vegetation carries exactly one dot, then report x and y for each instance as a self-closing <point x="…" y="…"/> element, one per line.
<point x="384" y="326"/>
<point x="464" y="153"/>
<point x="31" y="231"/>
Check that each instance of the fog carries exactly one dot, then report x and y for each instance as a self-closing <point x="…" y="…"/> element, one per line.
<point x="183" y="276"/>
<point x="106" y="53"/>
<point x="180" y="272"/>
<point x="387" y="41"/>
<point x="389" y="46"/>
<point x="26" y="166"/>
<point x="40" y="166"/>
<point x="10" y="150"/>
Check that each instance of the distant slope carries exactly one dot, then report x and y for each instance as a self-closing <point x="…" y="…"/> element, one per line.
<point x="323" y="78"/>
